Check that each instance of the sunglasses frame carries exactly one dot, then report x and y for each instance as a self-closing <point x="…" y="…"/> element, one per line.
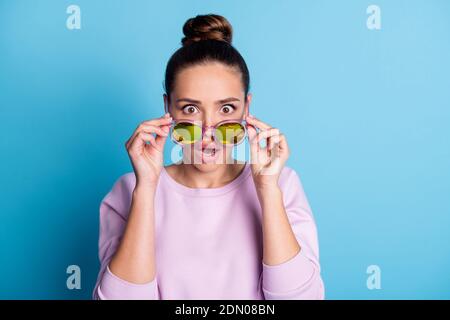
<point x="197" y="123"/>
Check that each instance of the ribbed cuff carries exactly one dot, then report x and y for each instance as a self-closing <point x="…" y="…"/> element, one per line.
<point x="114" y="288"/>
<point x="289" y="275"/>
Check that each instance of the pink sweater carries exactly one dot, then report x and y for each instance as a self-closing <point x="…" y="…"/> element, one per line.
<point x="209" y="243"/>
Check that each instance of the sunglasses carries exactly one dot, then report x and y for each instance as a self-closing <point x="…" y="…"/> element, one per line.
<point x="227" y="132"/>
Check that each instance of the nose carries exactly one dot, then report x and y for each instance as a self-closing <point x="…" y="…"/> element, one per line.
<point x="208" y="129"/>
<point x="208" y="133"/>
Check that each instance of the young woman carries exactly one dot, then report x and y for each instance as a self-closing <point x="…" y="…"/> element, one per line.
<point x="208" y="227"/>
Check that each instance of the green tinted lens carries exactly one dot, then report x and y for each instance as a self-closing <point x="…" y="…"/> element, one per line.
<point x="186" y="133"/>
<point x="230" y="133"/>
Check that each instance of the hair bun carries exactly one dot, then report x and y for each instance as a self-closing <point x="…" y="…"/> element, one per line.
<point x="207" y="27"/>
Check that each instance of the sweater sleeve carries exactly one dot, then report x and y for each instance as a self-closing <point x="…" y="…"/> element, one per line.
<point x="299" y="277"/>
<point x="114" y="210"/>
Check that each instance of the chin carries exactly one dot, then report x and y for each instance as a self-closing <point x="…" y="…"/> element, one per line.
<point x="207" y="167"/>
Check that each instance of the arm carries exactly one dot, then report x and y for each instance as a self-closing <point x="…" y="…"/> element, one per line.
<point x="279" y="242"/>
<point x="290" y="248"/>
<point x="134" y="260"/>
<point x="126" y="245"/>
<point x="290" y="263"/>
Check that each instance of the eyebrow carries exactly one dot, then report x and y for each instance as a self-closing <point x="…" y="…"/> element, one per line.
<point x="199" y="102"/>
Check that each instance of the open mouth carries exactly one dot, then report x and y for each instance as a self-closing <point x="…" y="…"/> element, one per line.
<point x="210" y="151"/>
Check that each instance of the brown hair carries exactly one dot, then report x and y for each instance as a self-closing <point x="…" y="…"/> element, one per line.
<point x="207" y="38"/>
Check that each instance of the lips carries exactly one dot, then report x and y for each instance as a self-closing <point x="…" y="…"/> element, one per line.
<point x="208" y="152"/>
<point x="211" y="148"/>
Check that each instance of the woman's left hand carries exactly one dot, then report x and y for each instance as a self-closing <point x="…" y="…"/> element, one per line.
<point x="268" y="161"/>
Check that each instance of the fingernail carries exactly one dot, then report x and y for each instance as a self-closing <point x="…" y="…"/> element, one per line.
<point x="250" y="115"/>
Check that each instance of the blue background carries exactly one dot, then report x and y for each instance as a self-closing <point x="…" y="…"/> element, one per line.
<point x="366" y="114"/>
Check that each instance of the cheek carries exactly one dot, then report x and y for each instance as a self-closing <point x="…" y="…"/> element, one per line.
<point x="177" y="112"/>
<point x="227" y="150"/>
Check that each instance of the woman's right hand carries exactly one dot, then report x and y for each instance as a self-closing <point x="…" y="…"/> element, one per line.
<point x="148" y="159"/>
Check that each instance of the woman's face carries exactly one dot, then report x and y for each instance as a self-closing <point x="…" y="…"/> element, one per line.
<point x="208" y="93"/>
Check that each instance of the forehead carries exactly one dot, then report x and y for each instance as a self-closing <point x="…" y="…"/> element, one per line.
<point x="208" y="82"/>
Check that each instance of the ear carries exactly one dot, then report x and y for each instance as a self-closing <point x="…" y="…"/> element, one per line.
<point x="247" y="104"/>
<point x="166" y="103"/>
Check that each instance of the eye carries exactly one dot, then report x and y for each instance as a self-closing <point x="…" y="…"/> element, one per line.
<point x="189" y="109"/>
<point x="228" y="108"/>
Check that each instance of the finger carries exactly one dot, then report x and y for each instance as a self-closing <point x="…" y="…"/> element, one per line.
<point x="278" y="148"/>
<point x="283" y="144"/>
<point x="158" y="122"/>
<point x="143" y="138"/>
<point x="265" y="134"/>
<point x="165" y="119"/>
<point x="274" y="141"/>
<point x="153" y="129"/>
<point x="145" y="129"/>
<point x="272" y="137"/>
<point x="161" y="139"/>
<point x="273" y="146"/>
<point x="149" y="129"/>
<point x="256" y="122"/>
<point x="252" y="135"/>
